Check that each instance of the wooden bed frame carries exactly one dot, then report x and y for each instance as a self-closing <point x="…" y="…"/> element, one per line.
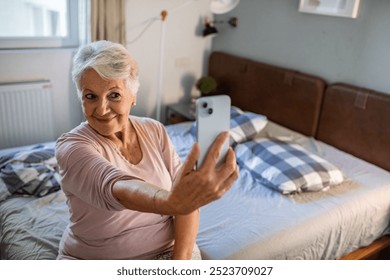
<point x="378" y="250"/>
<point x="350" y="118"/>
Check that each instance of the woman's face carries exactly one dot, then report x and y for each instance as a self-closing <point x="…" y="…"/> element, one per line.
<point x="106" y="103"/>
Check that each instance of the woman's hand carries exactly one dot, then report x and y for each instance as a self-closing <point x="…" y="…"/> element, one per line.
<point x="195" y="188"/>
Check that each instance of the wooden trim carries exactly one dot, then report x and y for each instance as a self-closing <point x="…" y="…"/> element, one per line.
<point x="371" y="251"/>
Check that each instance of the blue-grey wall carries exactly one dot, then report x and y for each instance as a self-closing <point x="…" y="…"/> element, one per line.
<point x="355" y="51"/>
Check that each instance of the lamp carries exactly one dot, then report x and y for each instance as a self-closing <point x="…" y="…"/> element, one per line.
<point x="220" y="7"/>
<point x="211" y="30"/>
<point x="223" y="6"/>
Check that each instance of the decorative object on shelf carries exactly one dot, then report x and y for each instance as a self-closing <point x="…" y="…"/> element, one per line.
<point x="340" y="8"/>
<point x="206" y="85"/>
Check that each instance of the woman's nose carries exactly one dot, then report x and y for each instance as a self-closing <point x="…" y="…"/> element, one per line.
<point x="102" y="108"/>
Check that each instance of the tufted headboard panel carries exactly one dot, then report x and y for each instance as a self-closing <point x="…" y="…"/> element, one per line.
<point x="285" y="96"/>
<point x="357" y="120"/>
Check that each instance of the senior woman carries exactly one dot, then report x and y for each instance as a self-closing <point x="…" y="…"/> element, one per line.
<point x="128" y="194"/>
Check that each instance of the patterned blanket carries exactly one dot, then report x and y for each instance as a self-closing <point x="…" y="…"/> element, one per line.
<point x="30" y="172"/>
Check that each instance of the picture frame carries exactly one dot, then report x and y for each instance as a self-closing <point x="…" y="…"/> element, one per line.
<point x="340" y="8"/>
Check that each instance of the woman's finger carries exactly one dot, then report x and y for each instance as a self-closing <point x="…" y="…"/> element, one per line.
<point x="230" y="164"/>
<point x="230" y="180"/>
<point x="214" y="151"/>
<point x="191" y="160"/>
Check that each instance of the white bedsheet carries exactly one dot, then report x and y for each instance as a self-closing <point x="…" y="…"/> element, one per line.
<point x="254" y="222"/>
<point x="31" y="228"/>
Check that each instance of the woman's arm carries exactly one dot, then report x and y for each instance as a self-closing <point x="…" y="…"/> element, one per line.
<point x="191" y="190"/>
<point x="186" y="228"/>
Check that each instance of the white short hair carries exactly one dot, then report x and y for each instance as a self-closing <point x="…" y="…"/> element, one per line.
<point x="110" y="60"/>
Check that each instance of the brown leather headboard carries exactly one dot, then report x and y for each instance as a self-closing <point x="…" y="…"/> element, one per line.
<point x="357" y="120"/>
<point x="285" y="96"/>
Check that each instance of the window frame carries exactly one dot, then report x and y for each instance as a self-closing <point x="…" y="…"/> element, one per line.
<point x="72" y="40"/>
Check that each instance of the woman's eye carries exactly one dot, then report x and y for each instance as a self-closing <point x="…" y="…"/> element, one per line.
<point x="114" y="95"/>
<point x="89" y="96"/>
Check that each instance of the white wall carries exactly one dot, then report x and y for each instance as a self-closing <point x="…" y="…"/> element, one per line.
<point x="185" y="55"/>
<point x="51" y="64"/>
<point x="354" y="51"/>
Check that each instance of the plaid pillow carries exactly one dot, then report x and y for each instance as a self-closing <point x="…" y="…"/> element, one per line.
<point x="287" y="168"/>
<point x="243" y="125"/>
<point x="30" y="172"/>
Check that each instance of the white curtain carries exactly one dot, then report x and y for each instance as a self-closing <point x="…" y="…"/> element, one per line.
<point x="108" y="20"/>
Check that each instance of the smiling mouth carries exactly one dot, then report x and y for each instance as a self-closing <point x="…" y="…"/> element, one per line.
<point x="104" y="120"/>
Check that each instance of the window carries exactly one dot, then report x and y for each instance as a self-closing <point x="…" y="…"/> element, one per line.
<point x="38" y="24"/>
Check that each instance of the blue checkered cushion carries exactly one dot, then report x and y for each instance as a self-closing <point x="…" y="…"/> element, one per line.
<point x="31" y="172"/>
<point x="243" y="125"/>
<point x="285" y="167"/>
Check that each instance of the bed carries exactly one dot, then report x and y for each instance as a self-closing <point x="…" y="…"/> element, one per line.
<point x="343" y="216"/>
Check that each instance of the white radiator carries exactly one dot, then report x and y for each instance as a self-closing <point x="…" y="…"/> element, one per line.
<point x="26" y="115"/>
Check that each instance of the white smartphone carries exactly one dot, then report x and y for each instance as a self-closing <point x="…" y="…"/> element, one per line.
<point x="212" y="118"/>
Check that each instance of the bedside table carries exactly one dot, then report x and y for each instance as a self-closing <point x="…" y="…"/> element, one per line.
<point x="180" y="112"/>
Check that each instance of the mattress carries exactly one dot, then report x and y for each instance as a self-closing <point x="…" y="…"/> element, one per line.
<point x="254" y="222"/>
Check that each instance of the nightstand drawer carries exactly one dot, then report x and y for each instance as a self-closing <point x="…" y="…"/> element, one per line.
<point x="181" y="112"/>
<point x="174" y="117"/>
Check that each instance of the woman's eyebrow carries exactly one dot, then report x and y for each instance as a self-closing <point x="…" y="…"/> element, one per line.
<point x="115" y="87"/>
<point x="112" y="88"/>
<point x="87" y="90"/>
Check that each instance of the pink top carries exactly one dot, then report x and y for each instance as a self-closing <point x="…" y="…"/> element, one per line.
<point x="100" y="226"/>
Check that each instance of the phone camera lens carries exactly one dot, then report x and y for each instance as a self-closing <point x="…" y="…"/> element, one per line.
<point x="204" y="105"/>
<point x="210" y="111"/>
